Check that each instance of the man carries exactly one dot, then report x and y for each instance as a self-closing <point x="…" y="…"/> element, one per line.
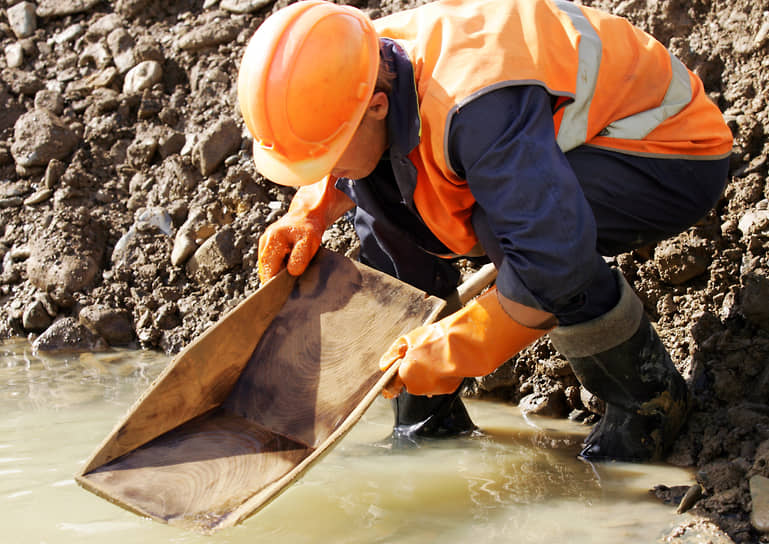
<point x="540" y="133"/>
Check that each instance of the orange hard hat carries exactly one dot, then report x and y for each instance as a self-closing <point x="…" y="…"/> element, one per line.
<point x="304" y="84"/>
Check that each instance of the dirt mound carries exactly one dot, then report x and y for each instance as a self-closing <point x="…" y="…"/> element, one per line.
<point x="129" y="205"/>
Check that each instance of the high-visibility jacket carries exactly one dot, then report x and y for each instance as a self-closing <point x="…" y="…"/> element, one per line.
<point x="616" y="88"/>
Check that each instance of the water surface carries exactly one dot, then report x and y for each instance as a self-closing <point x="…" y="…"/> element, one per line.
<point x="518" y="481"/>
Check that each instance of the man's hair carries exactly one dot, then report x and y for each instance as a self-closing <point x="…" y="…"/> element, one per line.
<point x="386" y="75"/>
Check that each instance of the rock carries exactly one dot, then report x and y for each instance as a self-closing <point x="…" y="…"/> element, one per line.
<point x="759" y="494"/>
<point x="14" y="55"/>
<point x="104" y="25"/>
<point x="171" y="143"/>
<point x="209" y="35"/>
<point x="49" y="100"/>
<point x="39" y="137"/>
<point x="121" y="46"/>
<point x="95" y="54"/>
<point x="215" y="257"/>
<point x="551" y="403"/>
<point x="69" y="34"/>
<point x="142" y="76"/>
<point x="67" y="255"/>
<point x="22" y="82"/>
<point x="58" y="8"/>
<point x="216" y="144"/>
<point x="67" y="335"/>
<point x="53" y="173"/>
<point x="112" y="324"/>
<point x="754" y="222"/>
<point x="243" y="6"/>
<point x="753" y="295"/>
<point x="38" y="197"/>
<point x="131" y="8"/>
<point x="35" y="317"/>
<point x="680" y="259"/>
<point x="141" y="151"/>
<point x="167" y="316"/>
<point x="22" y="19"/>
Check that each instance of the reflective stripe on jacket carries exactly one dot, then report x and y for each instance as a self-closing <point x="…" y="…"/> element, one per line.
<point x="616" y="88"/>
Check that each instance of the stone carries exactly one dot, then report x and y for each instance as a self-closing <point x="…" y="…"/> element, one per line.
<point x="22" y="19"/>
<point x="22" y="82"/>
<point x="214" y="257"/>
<point x="681" y="259"/>
<point x="14" y="55"/>
<point x="66" y="256"/>
<point x="67" y="335"/>
<point x="38" y="197"/>
<point x="209" y="35"/>
<point x="171" y="143"/>
<point x="754" y="222"/>
<point x="216" y="144"/>
<point x="142" y="76"/>
<point x="121" y="46"/>
<point x="50" y="100"/>
<point x="39" y="137"/>
<point x="112" y="324"/>
<point x="69" y="34"/>
<point x="35" y="317"/>
<point x="551" y="403"/>
<point x="243" y="6"/>
<point x="759" y="493"/>
<point x="104" y="25"/>
<point x="58" y="8"/>
<point x="96" y="54"/>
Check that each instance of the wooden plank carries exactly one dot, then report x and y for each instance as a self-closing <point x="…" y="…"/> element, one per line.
<point x="324" y="349"/>
<point x="194" y="475"/>
<point x="311" y="377"/>
<point x="200" y="377"/>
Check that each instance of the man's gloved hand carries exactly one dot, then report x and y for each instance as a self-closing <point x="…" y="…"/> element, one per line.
<point x="299" y="232"/>
<point x="472" y="341"/>
<point x="295" y="235"/>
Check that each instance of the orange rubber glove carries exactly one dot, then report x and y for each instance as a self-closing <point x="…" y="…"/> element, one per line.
<point x="473" y="341"/>
<point x="299" y="232"/>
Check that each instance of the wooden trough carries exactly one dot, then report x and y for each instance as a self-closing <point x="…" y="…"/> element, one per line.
<point x="247" y="407"/>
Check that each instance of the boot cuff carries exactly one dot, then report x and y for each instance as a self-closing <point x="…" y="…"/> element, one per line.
<point x="604" y="332"/>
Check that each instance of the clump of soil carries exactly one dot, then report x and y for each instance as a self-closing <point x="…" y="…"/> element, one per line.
<point x="130" y="209"/>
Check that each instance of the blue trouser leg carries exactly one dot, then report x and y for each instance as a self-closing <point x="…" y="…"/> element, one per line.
<point x="385" y="247"/>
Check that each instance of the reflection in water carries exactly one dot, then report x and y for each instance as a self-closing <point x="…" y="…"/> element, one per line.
<point x="516" y="481"/>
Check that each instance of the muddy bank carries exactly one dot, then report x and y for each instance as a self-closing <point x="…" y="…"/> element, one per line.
<point x="129" y="211"/>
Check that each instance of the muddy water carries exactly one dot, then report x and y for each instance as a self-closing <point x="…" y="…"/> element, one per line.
<point x="518" y="481"/>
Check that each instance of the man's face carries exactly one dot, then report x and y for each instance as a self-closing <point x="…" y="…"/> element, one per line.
<point x="368" y="143"/>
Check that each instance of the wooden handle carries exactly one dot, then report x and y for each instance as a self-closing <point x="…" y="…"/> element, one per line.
<point x="476" y="283"/>
<point x="470" y="288"/>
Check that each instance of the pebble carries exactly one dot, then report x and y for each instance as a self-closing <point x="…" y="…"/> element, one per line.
<point x="208" y="35"/>
<point x="96" y="54"/>
<point x="50" y="100"/>
<point x="142" y="76"/>
<point x="22" y="19"/>
<point x="69" y="34"/>
<point x="214" y="257"/>
<point x="216" y="144"/>
<point x="121" y="46"/>
<point x="243" y="6"/>
<point x="759" y="493"/>
<point x="35" y="317"/>
<point x="40" y="136"/>
<point x="39" y="196"/>
<point x="57" y="8"/>
<point x="14" y="55"/>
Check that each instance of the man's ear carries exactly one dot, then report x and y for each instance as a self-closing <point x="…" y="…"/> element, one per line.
<point x="378" y="106"/>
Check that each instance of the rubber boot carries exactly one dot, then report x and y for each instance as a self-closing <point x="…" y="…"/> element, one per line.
<point x="647" y="401"/>
<point x="439" y="416"/>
